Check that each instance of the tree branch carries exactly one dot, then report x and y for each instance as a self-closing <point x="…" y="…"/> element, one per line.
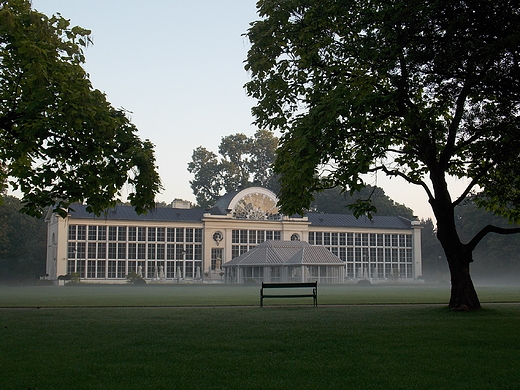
<point x="489" y="229"/>
<point x="421" y="183"/>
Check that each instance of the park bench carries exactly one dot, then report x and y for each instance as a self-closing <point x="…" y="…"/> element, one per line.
<point x="298" y="294"/>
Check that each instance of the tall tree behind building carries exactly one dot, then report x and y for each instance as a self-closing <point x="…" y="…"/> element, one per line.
<point x="243" y="162"/>
<point x="22" y="243"/>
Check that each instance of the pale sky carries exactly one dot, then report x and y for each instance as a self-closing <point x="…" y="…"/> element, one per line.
<point x="178" y="66"/>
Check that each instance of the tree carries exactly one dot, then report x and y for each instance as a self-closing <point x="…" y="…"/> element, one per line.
<point x="22" y="243"/>
<point x="337" y="201"/>
<point x="60" y="140"/>
<point x="419" y="90"/>
<point x="244" y="162"/>
<point x="496" y="257"/>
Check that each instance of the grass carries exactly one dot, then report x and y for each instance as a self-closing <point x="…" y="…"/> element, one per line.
<point x="231" y="295"/>
<point x="74" y="343"/>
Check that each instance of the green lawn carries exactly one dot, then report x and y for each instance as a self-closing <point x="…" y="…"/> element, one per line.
<point x="68" y="345"/>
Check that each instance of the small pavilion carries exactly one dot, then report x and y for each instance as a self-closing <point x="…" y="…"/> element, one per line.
<point x="285" y="261"/>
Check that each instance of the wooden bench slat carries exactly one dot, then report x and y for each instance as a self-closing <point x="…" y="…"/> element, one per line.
<point x="313" y="285"/>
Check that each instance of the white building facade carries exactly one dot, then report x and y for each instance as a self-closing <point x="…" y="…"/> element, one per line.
<point x="179" y="245"/>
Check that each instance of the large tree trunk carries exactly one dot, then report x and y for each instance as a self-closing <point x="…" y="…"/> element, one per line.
<point x="459" y="256"/>
<point x="463" y="294"/>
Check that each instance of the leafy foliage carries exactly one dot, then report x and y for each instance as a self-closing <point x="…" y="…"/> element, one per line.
<point x="244" y="162"/>
<point x="408" y="89"/>
<point x="334" y="201"/>
<point x="60" y="140"/>
<point x="420" y="90"/>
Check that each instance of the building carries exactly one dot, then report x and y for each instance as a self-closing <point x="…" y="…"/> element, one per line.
<point x="286" y="261"/>
<point x="176" y="245"/>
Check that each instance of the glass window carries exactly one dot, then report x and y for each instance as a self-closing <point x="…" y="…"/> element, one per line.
<point x="132" y="266"/>
<point x="82" y="230"/>
<point x="102" y="233"/>
<point x="151" y="234"/>
<point x="101" y="250"/>
<point x="132" y="233"/>
<point x="150" y="269"/>
<point x="179" y="252"/>
<point x="170" y="234"/>
<point x="71" y="266"/>
<point x="121" y="269"/>
<point x="80" y="250"/>
<point x="326" y="239"/>
<point x="112" y="250"/>
<point x="197" y="255"/>
<point x="311" y="238"/>
<point x="121" y="233"/>
<point x="189" y="252"/>
<point x="101" y="268"/>
<point x="189" y="235"/>
<point x="160" y="251"/>
<point x="71" y="252"/>
<point x="160" y="234"/>
<point x="151" y="251"/>
<point x="112" y="269"/>
<point x="91" y="269"/>
<point x="141" y="251"/>
<point x="132" y="251"/>
<point x="92" y="233"/>
<point x="141" y="234"/>
<point x="72" y="232"/>
<point x="121" y="250"/>
<point x="179" y="235"/>
<point x="91" y="250"/>
<point x="112" y="233"/>
<point x="170" y="251"/>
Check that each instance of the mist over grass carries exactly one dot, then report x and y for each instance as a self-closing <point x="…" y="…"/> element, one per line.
<point x="85" y="295"/>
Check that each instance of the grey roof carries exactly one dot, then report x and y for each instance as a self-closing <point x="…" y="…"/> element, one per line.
<point x="278" y="253"/>
<point x="345" y="220"/>
<point x="127" y="213"/>
<point x="167" y="214"/>
<point x="222" y="204"/>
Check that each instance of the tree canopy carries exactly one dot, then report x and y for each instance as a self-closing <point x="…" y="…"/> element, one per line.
<point x="337" y="201"/>
<point x="420" y="90"/>
<point x="60" y="139"/>
<point x="243" y="162"/>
